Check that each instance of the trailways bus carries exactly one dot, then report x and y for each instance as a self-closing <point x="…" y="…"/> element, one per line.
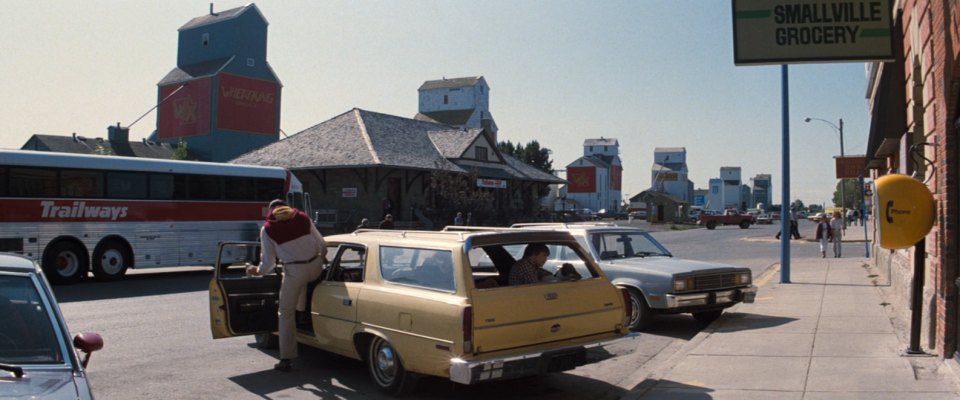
<point x="78" y="213"/>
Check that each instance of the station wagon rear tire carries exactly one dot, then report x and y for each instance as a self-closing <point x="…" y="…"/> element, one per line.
<point x="65" y="262"/>
<point x="642" y="315"/>
<point x="707" y="317"/>
<point x="111" y="259"/>
<point x="711" y="224"/>
<point x="386" y="368"/>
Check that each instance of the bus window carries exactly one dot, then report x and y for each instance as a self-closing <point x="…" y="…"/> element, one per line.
<point x="126" y="185"/>
<point x="235" y="188"/>
<point x="161" y="186"/>
<point x="79" y="183"/>
<point x="3" y="181"/>
<point x="269" y="189"/>
<point x="33" y="182"/>
<point x="205" y="187"/>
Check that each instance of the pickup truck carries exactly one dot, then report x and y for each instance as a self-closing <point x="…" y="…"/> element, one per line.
<point x="729" y="217"/>
<point x="414" y="303"/>
<point x="658" y="282"/>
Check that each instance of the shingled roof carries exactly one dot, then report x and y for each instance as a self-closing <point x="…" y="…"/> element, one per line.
<point x="220" y="16"/>
<point x="360" y="138"/>
<point x="84" y="145"/>
<point x="452" y="117"/>
<point x="450" y="83"/>
<point x="601" y="142"/>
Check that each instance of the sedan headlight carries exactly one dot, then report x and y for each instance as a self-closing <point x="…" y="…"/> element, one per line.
<point x="744" y="278"/>
<point x="682" y="284"/>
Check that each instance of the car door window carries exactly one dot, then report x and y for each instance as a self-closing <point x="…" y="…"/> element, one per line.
<point x="348" y="266"/>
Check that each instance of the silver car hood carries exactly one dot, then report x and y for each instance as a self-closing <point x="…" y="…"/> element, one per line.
<point x="42" y="384"/>
<point x="667" y="265"/>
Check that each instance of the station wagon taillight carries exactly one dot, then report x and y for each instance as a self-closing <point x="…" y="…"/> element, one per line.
<point x="468" y="330"/>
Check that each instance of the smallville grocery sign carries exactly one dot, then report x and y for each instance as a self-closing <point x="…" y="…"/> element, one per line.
<point x="810" y="31"/>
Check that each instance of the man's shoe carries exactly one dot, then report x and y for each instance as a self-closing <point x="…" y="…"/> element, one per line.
<point x="285" y="365"/>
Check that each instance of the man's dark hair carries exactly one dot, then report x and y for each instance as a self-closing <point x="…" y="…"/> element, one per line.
<point x="535" y="248"/>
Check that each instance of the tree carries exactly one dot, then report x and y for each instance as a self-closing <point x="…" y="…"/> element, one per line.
<point x="852" y="198"/>
<point x="531" y="153"/>
<point x="457" y="192"/>
<point x="180" y="153"/>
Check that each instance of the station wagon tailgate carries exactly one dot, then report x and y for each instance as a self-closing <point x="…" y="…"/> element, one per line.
<point x="528" y="315"/>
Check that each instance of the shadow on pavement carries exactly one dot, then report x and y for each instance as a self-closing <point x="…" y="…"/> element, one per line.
<point x="324" y="375"/>
<point x="665" y="389"/>
<point x="737" y="321"/>
<point x="136" y="285"/>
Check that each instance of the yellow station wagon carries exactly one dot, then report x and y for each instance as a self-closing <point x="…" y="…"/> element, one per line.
<point x="412" y="303"/>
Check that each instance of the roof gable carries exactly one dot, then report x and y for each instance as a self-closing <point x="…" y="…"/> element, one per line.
<point x="451" y="83"/>
<point x="221" y="16"/>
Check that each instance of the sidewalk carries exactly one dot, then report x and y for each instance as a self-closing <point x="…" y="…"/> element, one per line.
<point x="826" y="335"/>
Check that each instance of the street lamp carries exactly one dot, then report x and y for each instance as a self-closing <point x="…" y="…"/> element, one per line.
<point x="838" y="129"/>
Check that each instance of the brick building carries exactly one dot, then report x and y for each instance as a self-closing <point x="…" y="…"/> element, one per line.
<point x="914" y="122"/>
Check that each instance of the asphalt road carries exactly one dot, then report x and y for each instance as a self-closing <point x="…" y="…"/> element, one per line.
<point x="155" y="325"/>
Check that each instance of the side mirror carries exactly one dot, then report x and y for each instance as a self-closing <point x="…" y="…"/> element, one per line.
<point x="87" y="342"/>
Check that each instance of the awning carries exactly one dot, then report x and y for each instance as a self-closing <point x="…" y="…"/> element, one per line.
<point x="888" y="119"/>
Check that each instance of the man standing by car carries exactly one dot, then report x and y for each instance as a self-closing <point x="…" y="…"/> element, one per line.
<point x="290" y="236"/>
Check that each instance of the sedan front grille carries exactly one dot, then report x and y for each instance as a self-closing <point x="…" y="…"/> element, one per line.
<point x="714" y="282"/>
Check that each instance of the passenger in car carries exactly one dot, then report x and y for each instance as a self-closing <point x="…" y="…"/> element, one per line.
<point x="530" y="268"/>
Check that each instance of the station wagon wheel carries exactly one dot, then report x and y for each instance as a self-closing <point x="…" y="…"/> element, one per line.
<point x="386" y="369"/>
<point x="642" y="315"/>
<point x="111" y="260"/>
<point x="65" y="262"/>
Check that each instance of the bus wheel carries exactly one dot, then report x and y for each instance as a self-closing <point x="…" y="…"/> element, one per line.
<point x="111" y="260"/>
<point x="65" y="262"/>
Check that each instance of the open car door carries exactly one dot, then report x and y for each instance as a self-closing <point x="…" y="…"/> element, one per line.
<point x="239" y="304"/>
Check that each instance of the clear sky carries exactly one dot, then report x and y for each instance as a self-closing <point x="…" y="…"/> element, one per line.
<point x="648" y="73"/>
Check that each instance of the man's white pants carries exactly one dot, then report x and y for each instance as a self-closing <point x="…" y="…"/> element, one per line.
<point x="293" y="297"/>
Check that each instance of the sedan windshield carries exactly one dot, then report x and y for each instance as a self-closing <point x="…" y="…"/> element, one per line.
<point x="617" y="245"/>
<point x="26" y="325"/>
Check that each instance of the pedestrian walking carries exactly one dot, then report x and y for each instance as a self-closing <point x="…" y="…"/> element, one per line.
<point x="364" y="224"/>
<point x="823" y="234"/>
<point x="387" y="207"/>
<point x="290" y="236"/>
<point x="836" y="228"/>
<point x="794" y="228"/>
<point x="458" y="220"/>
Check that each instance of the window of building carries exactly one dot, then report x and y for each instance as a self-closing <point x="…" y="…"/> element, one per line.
<point x="480" y="153"/>
<point x="205" y="39"/>
<point x="446" y="99"/>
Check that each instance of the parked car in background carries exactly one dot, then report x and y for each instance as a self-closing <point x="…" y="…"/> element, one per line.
<point x="610" y="214"/>
<point x="729" y="217"/>
<point x="764" y="219"/>
<point x="640" y="214"/>
<point x="38" y="359"/>
<point x="657" y="282"/>
<point x="587" y="214"/>
<point x="414" y="303"/>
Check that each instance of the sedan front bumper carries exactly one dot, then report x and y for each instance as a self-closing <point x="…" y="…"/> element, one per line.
<point x="730" y="296"/>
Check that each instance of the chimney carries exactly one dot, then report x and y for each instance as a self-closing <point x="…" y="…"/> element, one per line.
<point x="118" y="134"/>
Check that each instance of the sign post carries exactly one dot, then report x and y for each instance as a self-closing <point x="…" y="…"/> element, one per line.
<point x="808" y="31"/>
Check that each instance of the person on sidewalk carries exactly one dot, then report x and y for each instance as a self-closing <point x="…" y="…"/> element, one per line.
<point x="794" y="228"/>
<point x="290" y="236"/>
<point x="823" y="234"/>
<point x="836" y="228"/>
